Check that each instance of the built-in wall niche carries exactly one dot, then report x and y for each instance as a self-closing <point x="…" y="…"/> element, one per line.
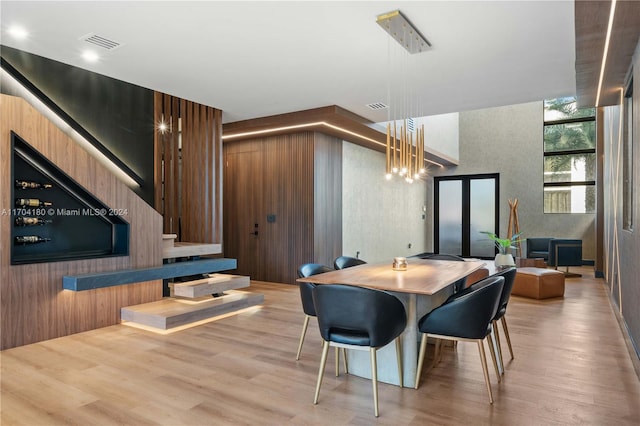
<point x="56" y="219"/>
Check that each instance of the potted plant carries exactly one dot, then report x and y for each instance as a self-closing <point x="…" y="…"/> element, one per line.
<point x="503" y="259"/>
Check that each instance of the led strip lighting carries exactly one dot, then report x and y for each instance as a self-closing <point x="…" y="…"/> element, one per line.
<point x="306" y="125"/>
<point x="36" y="103"/>
<point x="606" y="50"/>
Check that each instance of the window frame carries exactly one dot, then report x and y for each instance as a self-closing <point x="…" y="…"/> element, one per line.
<point x="584" y="183"/>
<point x="628" y="179"/>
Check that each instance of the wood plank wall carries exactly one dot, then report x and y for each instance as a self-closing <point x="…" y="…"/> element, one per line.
<point x="327" y="190"/>
<point x="192" y="200"/>
<point x="297" y="179"/>
<point x="33" y="306"/>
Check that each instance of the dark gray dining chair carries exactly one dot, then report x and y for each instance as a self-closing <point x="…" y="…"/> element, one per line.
<point x="509" y="276"/>
<point x="347" y="262"/>
<point x="468" y="317"/>
<point x="358" y="318"/>
<point x="307" y="270"/>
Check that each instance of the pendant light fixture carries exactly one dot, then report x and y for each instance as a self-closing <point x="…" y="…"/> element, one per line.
<point x="405" y="143"/>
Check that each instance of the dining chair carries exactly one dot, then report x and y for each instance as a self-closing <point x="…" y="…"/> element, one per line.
<point x="358" y="318"/>
<point x="307" y="270"/>
<point x="509" y="276"/>
<point x="347" y="262"/>
<point x="466" y="317"/>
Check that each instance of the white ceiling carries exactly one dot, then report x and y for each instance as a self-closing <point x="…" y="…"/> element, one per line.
<point x="253" y="59"/>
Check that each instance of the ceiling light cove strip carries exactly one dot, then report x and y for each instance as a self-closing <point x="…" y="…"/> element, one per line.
<point x="307" y="125"/>
<point x="272" y="130"/>
<point x="352" y="133"/>
<point x="606" y="50"/>
<point x="301" y="126"/>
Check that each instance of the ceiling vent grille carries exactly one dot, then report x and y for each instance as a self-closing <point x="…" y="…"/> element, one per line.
<point x="100" y="41"/>
<point x="377" y="105"/>
<point x="411" y="125"/>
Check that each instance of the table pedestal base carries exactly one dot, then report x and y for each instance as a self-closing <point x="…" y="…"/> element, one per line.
<point x="416" y="306"/>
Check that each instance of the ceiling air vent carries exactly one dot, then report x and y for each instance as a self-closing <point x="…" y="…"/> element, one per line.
<point x="411" y="125"/>
<point x="377" y="105"/>
<point x="100" y="41"/>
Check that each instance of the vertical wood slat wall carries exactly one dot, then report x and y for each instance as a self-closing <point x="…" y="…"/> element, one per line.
<point x="327" y="198"/>
<point x="298" y="179"/>
<point x="192" y="200"/>
<point x="33" y="305"/>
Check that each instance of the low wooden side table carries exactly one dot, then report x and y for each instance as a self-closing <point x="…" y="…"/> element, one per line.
<point x="530" y="262"/>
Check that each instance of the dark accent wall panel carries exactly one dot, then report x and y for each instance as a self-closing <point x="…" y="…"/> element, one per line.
<point x="282" y="203"/>
<point x="188" y="169"/>
<point x="118" y="114"/>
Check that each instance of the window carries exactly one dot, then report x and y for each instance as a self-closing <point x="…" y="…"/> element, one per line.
<point x="627" y="154"/>
<point x="569" y="157"/>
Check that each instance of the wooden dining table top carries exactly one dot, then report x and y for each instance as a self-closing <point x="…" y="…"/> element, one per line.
<point x="423" y="276"/>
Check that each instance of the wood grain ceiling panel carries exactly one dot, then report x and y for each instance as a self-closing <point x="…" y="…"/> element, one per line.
<point x="331" y="120"/>
<point x="591" y="21"/>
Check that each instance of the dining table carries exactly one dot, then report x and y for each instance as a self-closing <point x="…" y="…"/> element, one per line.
<point x="422" y="287"/>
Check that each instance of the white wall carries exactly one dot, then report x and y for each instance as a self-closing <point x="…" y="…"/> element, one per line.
<point x="380" y="218"/>
<point x="441" y="133"/>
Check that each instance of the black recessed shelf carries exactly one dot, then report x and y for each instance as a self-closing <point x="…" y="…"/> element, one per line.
<point x="81" y="227"/>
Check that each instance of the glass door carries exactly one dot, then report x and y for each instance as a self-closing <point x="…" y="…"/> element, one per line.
<point x="464" y="207"/>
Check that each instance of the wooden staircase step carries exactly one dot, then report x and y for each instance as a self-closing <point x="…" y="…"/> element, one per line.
<point x="214" y="284"/>
<point x="172" y="312"/>
<point x="168" y="240"/>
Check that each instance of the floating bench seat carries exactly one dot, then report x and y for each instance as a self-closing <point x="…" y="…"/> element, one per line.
<point x="173" y="312"/>
<point x="213" y="284"/>
<point x="129" y="276"/>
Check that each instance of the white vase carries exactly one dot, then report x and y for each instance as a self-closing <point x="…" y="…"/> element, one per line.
<point x="504" y="260"/>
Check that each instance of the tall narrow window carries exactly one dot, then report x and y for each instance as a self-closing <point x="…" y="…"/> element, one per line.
<point x="627" y="158"/>
<point x="569" y="157"/>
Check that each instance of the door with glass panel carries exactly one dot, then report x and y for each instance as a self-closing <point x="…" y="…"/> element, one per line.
<point x="465" y="206"/>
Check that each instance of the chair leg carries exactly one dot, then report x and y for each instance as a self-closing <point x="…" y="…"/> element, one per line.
<point x="437" y="354"/>
<point x="423" y="349"/>
<point x="492" y="352"/>
<point x="506" y="334"/>
<point x="399" y="360"/>
<point x="304" y="332"/>
<point x="323" y="362"/>
<point x="374" y="379"/>
<point x="344" y="361"/>
<point x="483" y="359"/>
<point x="498" y="346"/>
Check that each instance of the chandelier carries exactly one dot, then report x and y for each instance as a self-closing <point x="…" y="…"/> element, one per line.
<point x="405" y="144"/>
<point x="405" y="152"/>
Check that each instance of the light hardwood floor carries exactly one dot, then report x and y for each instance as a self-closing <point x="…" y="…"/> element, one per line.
<point x="571" y="367"/>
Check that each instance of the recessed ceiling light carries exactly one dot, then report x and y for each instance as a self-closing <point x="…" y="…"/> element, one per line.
<point x="90" y="56"/>
<point x="17" y="32"/>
